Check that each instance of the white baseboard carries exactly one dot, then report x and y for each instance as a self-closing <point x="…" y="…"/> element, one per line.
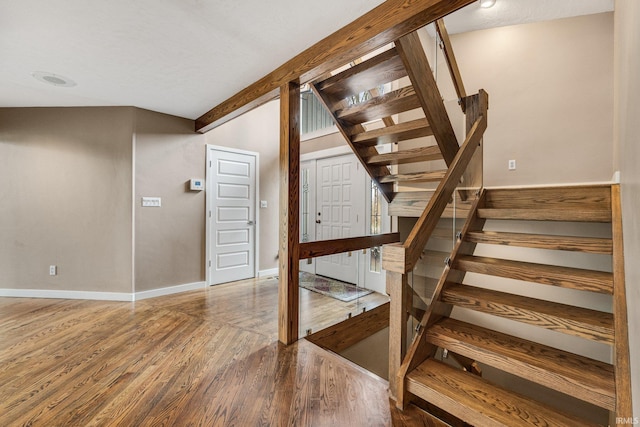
<point x="89" y="295"/>
<point x="269" y="272"/>
<point x="101" y="296"/>
<point x="169" y="290"/>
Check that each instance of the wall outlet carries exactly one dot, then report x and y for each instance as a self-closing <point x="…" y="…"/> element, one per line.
<point x="512" y="165"/>
<point x="53" y="270"/>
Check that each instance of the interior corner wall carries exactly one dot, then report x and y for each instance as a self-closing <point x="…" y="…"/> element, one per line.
<point x="627" y="159"/>
<point x="169" y="240"/>
<point x="259" y="131"/>
<point x="65" y="198"/>
<point x="550" y="88"/>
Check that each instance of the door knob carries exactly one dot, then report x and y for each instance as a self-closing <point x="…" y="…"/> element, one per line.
<point x="249" y="222"/>
<point x="318" y="221"/>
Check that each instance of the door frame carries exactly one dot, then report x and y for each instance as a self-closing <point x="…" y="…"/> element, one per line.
<point x="209" y="208"/>
<point x="340" y="151"/>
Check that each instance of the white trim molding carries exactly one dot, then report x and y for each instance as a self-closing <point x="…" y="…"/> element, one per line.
<point x="59" y="294"/>
<point x="268" y="272"/>
<point x="169" y="290"/>
<point x="101" y="296"/>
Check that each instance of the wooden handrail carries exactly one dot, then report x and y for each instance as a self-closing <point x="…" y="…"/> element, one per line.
<point x="452" y="64"/>
<point x="402" y="259"/>
<point x="621" y="362"/>
<point x="382" y="25"/>
<point x="336" y="246"/>
<point x="419" y="349"/>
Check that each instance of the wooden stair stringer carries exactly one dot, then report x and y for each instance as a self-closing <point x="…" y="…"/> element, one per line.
<point x="418" y="69"/>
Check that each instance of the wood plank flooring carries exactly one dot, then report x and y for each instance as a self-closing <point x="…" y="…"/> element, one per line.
<point x="208" y="357"/>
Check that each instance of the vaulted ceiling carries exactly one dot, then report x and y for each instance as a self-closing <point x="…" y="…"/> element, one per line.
<point x="182" y="57"/>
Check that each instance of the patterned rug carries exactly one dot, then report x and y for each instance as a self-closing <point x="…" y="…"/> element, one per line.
<point x="332" y="288"/>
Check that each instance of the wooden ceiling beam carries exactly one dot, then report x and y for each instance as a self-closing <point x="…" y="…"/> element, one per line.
<point x="382" y="25"/>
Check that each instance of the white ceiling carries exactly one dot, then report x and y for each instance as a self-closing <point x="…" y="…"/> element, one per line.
<point x="183" y="57"/>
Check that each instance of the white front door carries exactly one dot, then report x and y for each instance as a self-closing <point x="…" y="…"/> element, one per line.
<point x="232" y="214"/>
<point x="340" y="210"/>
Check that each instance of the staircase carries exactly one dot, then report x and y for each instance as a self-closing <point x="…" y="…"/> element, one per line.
<point x="509" y="222"/>
<point x="359" y="105"/>
<point x="490" y="323"/>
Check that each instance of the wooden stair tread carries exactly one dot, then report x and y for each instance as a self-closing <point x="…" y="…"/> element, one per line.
<point x="415" y="177"/>
<point x="390" y="103"/>
<point x="479" y="402"/>
<point x="576" y="197"/>
<point x="564" y="243"/>
<point x="381" y="69"/>
<point x="400" y="132"/>
<point x="413" y="155"/>
<point x="578" y="215"/>
<point x="413" y="203"/>
<point x="582" y="322"/>
<point x="581" y="377"/>
<point x="565" y="277"/>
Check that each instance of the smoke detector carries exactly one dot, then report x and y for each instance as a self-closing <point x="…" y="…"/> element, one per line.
<point x="53" y="79"/>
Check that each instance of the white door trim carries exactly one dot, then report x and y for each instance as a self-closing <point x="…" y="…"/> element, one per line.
<point x="208" y="208"/>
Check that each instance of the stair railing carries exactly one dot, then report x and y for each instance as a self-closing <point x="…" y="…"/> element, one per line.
<point x="400" y="259"/>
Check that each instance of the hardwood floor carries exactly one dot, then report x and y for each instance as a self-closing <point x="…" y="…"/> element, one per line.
<point x="207" y="357"/>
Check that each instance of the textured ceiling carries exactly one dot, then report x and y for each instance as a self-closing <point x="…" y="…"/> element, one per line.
<point x="183" y="57"/>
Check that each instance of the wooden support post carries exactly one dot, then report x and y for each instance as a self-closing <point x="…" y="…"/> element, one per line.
<point x="475" y="106"/>
<point x="288" y="304"/>
<point x="398" y="317"/>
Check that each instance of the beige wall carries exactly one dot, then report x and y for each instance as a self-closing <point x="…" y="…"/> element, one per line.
<point x="68" y="200"/>
<point x="627" y="158"/>
<point x="65" y="198"/>
<point x="169" y="241"/>
<point x="550" y="88"/>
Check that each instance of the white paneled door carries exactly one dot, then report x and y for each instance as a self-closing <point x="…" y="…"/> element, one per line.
<point x="232" y="215"/>
<point x="339" y="212"/>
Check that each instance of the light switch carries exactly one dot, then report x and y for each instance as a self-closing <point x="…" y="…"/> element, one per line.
<point x="151" y="202"/>
<point x="263" y="204"/>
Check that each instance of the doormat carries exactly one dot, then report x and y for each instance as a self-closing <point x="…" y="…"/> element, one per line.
<point x="332" y="288"/>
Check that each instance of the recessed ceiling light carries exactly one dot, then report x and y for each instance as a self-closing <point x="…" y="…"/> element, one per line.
<point x="53" y="79"/>
<point x="487" y="3"/>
